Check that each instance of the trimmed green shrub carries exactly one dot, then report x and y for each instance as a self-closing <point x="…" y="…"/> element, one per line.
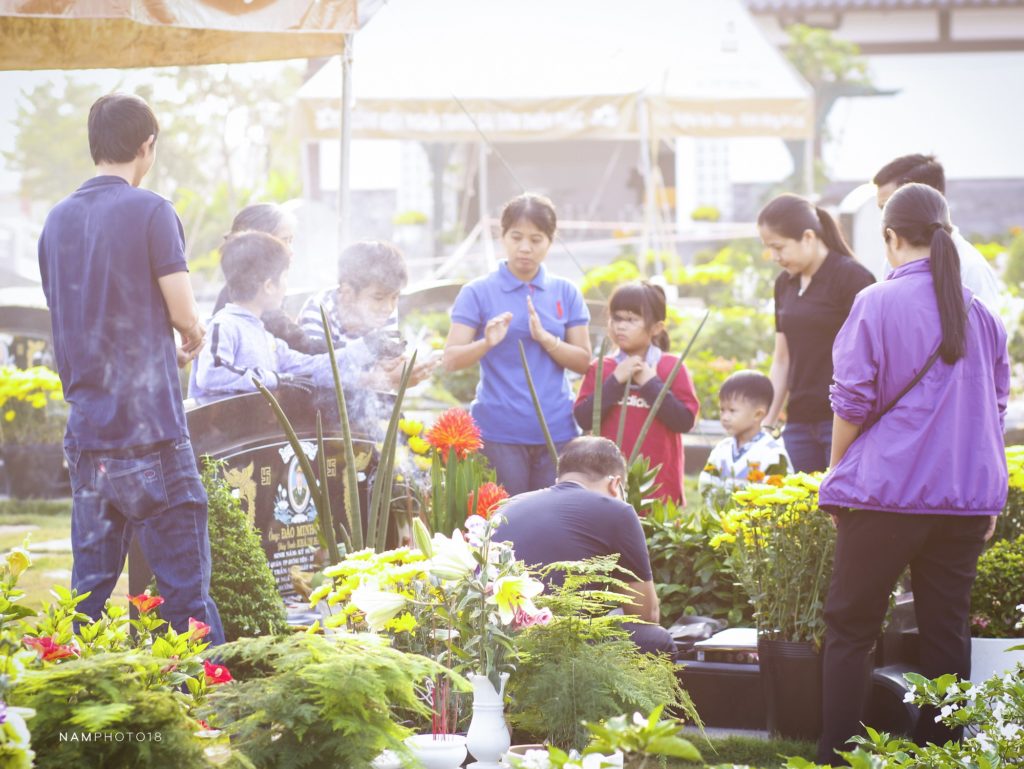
<point x="999" y="590"/>
<point x="241" y="583"/>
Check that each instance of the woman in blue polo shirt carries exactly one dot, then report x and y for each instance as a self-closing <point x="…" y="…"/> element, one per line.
<point x="521" y="302"/>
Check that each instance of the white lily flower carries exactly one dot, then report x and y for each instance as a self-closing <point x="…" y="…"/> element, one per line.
<point x="453" y="558"/>
<point x="378" y="606"/>
<point x="514" y="592"/>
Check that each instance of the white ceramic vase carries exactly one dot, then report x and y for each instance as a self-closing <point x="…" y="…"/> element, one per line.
<point x="488" y="737"/>
<point x="438" y="751"/>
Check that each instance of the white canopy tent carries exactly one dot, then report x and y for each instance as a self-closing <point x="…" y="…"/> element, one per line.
<point x="498" y="71"/>
<point x="571" y="69"/>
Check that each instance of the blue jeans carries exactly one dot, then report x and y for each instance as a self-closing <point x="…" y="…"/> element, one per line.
<point x="521" y="467"/>
<point x="809" y="445"/>
<point x="155" y="493"/>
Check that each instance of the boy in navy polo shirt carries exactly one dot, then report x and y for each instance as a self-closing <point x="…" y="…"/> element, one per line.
<point x="114" y="274"/>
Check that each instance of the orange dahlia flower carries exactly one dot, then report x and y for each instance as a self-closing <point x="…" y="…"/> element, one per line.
<point x="486" y="500"/>
<point x="455" y="429"/>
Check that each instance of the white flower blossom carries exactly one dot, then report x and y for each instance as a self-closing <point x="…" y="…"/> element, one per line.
<point x="908" y="697"/>
<point x="947" y="710"/>
<point x="1009" y="731"/>
<point x="984" y="742"/>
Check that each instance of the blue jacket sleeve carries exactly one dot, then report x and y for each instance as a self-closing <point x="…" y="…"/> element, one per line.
<point x="222" y="369"/>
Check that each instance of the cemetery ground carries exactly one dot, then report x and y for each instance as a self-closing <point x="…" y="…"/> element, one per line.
<point x="47" y="523"/>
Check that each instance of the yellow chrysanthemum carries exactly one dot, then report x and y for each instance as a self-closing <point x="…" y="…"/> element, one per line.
<point x="9" y="415"/>
<point x="403" y="623"/>
<point x="410" y="427"/>
<point x="418" y="445"/>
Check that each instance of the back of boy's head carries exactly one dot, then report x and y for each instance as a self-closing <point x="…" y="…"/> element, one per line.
<point x="119" y="124"/>
<point x="924" y="169"/>
<point x="248" y="260"/>
<point x="644" y="299"/>
<point x="751" y="386"/>
<point x="372" y="263"/>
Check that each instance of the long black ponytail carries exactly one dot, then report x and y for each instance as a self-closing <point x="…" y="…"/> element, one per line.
<point x="790" y="216"/>
<point x="919" y="215"/>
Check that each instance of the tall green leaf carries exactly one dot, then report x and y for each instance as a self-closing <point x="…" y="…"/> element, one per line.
<point x="352" y="508"/>
<point x="318" y="488"/>
<point x="620" y="434"/>
<point x="380" y="496"/>
<point x="595" y="425"/>
<point x="325" y="519"/>
<point x="536" y="405"/>
<point x="664" y="391"/>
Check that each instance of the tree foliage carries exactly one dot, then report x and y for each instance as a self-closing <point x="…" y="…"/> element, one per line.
<point x="821" y="57"/>
<point x="51" y="146"/>
<point x="224" y="142"/>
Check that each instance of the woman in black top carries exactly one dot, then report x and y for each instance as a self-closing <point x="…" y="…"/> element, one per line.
<point x="813" y="296"/>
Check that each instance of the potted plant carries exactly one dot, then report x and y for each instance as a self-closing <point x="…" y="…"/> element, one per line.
<point x="619" y="741"/>
<point x="997" y="598"/>
<point x="782" y="547"/>
<point x="32" y="420"/>
<point x="460" y="599"/>
<point x="333" y="700"/>
<point x="583" y="666"/>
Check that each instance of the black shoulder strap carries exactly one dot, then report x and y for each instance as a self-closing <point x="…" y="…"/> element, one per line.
<point x="871" y="421"/>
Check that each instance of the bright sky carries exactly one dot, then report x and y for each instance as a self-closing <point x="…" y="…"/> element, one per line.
<point x="967" y="108"/>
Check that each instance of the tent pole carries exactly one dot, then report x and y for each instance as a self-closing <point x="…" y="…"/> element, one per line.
<point x="345" y="166"/>
<point x="648" y="173"/>
<point x="484" y="206"/>
<point x="809" y="166"/>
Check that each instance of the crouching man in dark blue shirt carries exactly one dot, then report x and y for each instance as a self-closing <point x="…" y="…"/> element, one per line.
<point x="113" y="267"/>
<point x="584" y="515"/>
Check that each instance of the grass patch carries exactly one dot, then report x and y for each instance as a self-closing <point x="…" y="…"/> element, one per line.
<point x="12" y="508"/>
<point x="44" y="521"/>
<point x="746" y="751"/>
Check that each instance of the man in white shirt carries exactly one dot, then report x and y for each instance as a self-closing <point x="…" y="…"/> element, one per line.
<point x="975" y="271"/>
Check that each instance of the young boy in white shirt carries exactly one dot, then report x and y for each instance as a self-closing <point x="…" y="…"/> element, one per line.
<point x="750" y="454"/>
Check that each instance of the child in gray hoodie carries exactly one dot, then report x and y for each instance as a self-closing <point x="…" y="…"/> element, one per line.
<point x="239" y="348"/>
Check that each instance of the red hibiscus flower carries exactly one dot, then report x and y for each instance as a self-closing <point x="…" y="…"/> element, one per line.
<point x="197" y="629"/>
<point x="216" y="674"/>
<point x="48" y="649"/>
<point x="145" y="602"/>
<point x="455" y="429"/>
<point x="486" y="500"/>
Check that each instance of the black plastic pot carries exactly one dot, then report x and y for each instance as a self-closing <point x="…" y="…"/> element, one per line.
<point x="791" y="677"/>
<point x="35" y="470"/>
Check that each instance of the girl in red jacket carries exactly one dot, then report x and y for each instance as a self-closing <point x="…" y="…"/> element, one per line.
<point x="636" y="325"/>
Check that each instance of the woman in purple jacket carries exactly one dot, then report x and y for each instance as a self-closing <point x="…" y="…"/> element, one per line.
<point x="922" y="486"/>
